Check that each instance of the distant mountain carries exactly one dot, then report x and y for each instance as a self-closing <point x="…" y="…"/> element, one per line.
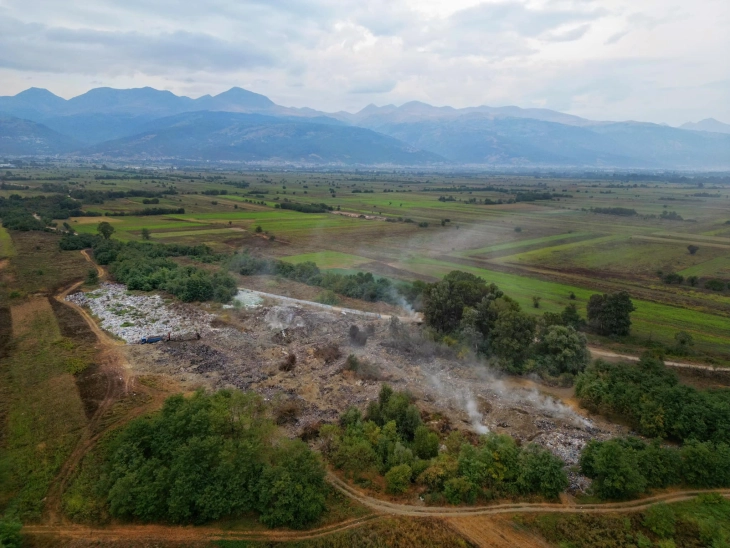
<point x="223" y="136"/>
<point x="39" y="104"/>
<point x="483" y="140"/>
<point x="92" y="129"/>
<point x="150" y="123"/>
<point x="373" y="117"/>
<point x="708" y="124"/>
<point x="20" y="137"/>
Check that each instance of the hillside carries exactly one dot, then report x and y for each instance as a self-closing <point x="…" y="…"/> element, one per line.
<point x="219" y="136"/>
<point x="20" y="137"/>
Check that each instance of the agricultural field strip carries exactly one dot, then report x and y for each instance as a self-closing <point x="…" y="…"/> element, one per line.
<point x="7" y="249"/>
<point x="675" y="241"/>
<point x="708" y="268"/>
<point x="690" y="236"/>
<point x="328" y="259"/>
<point x="562" y="247"/>
<point x="187" y="233"/>
<point x="521" y="243"/>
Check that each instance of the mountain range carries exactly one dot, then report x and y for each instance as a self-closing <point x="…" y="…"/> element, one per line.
<point x="241" y="126"/>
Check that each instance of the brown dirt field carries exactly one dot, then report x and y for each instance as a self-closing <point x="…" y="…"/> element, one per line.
<point x="4" y="263"/>
<point x="495" y="532"/>
<point x="24" y="314"/>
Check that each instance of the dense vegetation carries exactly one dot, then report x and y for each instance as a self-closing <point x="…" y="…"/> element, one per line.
<point x="200" y="459"/>
<point x="625" y="468"/>
<point x="697" y="523"/>
<point x="621" y="211"/>
<point x="147" y="211"/>
<point x="649" y="396"/>
<point x="19" y="213"/>
<point x="464" y="307"/>
<point x="305" y="208"/>
<point x="147" y="266"/>
<point x="391" y="443"/>
<point x="362" y="285"/>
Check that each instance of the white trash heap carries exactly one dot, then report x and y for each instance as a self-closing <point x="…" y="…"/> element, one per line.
<point x="132" y="316"/>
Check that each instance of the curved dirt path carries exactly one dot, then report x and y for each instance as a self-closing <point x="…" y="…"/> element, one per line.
<point x="386" y="507"/>
<point x="599" y="352"/>
<point x="162" y="533"/>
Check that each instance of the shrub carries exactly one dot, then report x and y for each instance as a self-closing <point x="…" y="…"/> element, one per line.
<point x="660" y="520"/>
<point x="287" y="412"/>
<point x="328" y="353"/>
<point x="460" y="490"/>
<point x="362" y="368"/>
<point x="715" y="285"/>
<point x="328" y="297"/>
<point x="10" y="536"/>
<point x="398" y="479"/>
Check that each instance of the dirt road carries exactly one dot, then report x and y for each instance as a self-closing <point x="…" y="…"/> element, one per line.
<point x="393" y="508"/>
<point x="600" y="353"/>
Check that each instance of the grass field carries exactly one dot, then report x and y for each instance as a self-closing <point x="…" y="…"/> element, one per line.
<point x="7" y="249"/>
<point x="43" y="410"/>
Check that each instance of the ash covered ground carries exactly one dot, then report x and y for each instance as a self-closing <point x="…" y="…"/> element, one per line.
<point x="297" y="357"/>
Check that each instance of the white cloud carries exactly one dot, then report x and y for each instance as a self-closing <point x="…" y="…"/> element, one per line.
<point x="657" y="60"/>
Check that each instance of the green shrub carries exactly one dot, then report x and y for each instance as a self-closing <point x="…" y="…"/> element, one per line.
<point x="660" y="520"/>
<point x="398" y="479"/>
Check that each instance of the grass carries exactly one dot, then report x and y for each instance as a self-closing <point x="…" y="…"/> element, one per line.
<point x="328" y="259"/>
<point x="7" y="249"/>
<point x="44" y="413"/>
<point x="703" y="521"/>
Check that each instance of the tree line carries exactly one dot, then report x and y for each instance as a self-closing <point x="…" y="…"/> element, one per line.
<point x="391" y="442"/>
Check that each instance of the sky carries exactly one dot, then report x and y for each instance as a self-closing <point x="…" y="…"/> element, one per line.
<point x="663" y="61"/>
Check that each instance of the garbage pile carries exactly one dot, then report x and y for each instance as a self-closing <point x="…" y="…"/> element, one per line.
<point x="134" y="317"/>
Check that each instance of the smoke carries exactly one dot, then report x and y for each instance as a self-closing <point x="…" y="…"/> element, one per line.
<point x="283" y="317"/>
<point x="463" y="399"/>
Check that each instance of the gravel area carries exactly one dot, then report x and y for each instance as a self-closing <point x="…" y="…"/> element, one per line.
<point x="132" y="317"/>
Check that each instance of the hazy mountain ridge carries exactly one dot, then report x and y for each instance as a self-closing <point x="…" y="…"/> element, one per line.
<point x="708" y="124"/>
<point x="223" y="136"/>
<point x="113" y="122"/>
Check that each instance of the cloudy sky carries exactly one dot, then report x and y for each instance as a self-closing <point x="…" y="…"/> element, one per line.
<point x="654" y="60"/>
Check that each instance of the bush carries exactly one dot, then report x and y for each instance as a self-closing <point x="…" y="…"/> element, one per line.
<point x="715" y="285"/>
<point x="357" y="336"/>
<point x="10" y="536"/>
<point x="660" y="520"/>
<point x="288" y="363"/>
<point x="362" y="368"/>
<point x="328" y="297"/>
<point x="398" y="479"/>
<point x="460" y="490"/>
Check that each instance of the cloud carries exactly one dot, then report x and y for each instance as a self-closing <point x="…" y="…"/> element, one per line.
<point x="605" y="59"/>
<point x="56" y="49"/>
<point x="383" y="86"/>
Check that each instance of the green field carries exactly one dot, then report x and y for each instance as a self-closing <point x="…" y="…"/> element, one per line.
<point x="6" y="244"/>
<point x="328" y="259"/>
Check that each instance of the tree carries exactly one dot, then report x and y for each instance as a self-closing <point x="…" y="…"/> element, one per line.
<point x="571" y="318"/>
<point x="610" y="314"/>
<point x="536" y="301"/>
<point x="10" y="536"/>
<point x="512" y="335"/>
<point x="425" y="443"/>
<point x="541" y="472"/>
<point x="445" y="300"/>
<point x="614" y="470"/>
<point x="563" y="350"/>
<point x="692" y="249"/>
<point x="258" y="229"/>
<point x="105" y="229"/>
<point x="398" y="479"/>
<point x="92" y="277"/>
<point x="146" y="234"/>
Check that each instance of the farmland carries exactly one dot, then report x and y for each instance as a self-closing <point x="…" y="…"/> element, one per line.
<point x="407" y="226"/>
